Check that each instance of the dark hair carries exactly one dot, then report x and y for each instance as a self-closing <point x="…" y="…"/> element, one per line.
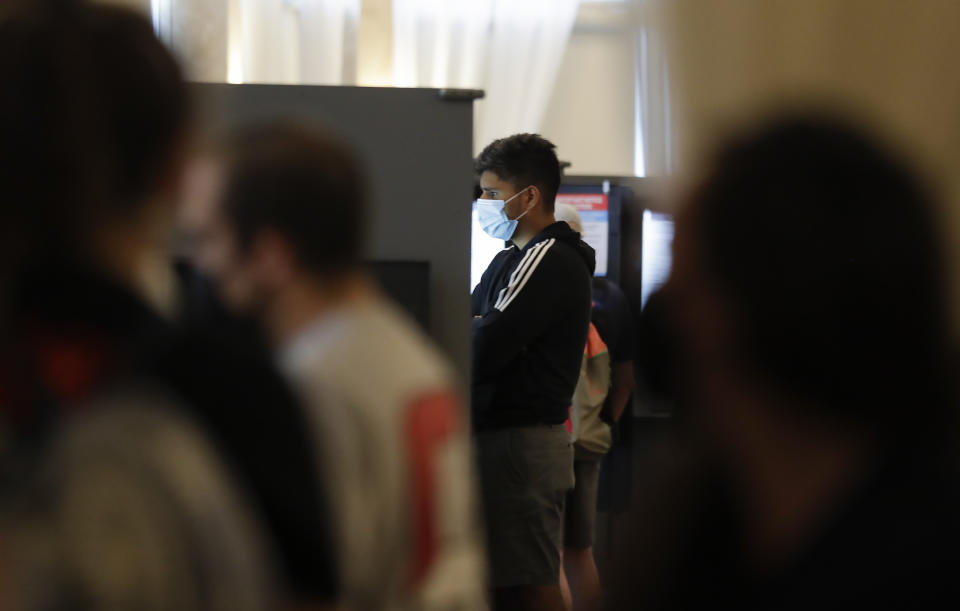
<point x="302" y="182"/>
<point x="828" y="245"/>
<point x="523" y="160"/>
<point x="92" y="105"/>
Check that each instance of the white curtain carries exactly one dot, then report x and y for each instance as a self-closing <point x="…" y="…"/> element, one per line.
<point x="196" y="31"/>
<point x="262" y="41"/>
<point x="653" y="151"/>
<point x="439" y="43"/>
<point x="269" y="41"/>
<point x="327" y="40"/>
<point x="297" y="41"/>
<point x="512" y="49"/>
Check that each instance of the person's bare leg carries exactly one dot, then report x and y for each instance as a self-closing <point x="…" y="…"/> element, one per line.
<point x="581" y="572"/>
<point x="528" y="598"/>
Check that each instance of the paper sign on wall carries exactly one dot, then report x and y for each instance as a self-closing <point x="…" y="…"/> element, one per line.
<point x="595" y="215"/>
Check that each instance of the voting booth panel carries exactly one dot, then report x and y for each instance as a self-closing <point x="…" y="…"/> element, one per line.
<point x="416" y="145"/>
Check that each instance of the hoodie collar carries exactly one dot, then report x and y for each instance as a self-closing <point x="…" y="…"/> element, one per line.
<point x="558" y="229"/>
<point x="562" y="232"/>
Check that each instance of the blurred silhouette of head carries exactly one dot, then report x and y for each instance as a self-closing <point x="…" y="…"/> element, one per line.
<point x="808" y="262"/>
<point x="92" y="109"/>
<point x="292" y="204"/>
<point x="568" y="214"/>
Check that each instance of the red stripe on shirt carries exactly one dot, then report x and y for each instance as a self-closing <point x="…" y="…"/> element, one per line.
<point x="431" y="420"/>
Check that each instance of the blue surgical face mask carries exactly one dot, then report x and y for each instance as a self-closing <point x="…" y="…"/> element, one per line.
<point x="493" y="218"/>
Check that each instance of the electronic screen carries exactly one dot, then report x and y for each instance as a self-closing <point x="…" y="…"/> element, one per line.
<point x="594" y="210"/>
<point x="657" y="252"/>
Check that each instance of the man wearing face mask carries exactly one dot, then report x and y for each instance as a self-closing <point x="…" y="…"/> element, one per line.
<point x="531" y="312"/>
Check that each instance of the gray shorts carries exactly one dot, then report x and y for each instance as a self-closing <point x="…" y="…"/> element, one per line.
<point x="580" y="513"/>
<point x="525" y="474"/>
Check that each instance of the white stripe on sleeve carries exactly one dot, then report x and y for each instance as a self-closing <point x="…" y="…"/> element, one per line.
<point x="525" y="276"/>
<point x="525" y="262"/>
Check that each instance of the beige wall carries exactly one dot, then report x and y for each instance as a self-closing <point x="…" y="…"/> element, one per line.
<point x="894" y="61"/>
<point x="590" y="116"/>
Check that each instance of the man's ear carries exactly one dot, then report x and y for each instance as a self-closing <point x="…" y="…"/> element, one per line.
<point x="533" y="196"/>
<point x="273" y="258"/>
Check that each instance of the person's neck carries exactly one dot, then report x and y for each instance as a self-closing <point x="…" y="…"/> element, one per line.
<point x="305" y="300"/>
<point x="132" y="254"/>
<point x="528" y="231"/>
<point x="791" y="476"/>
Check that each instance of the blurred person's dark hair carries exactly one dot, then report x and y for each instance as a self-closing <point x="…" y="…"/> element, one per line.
<point x="816" y="441"/>
<point x="301" y="181"/>
<point x="523" y="160"/>
<point x="827" y="244"/>
<point x="655" y="346"/>
<point x="93" y="112"/>
<point x="98" y="108"/>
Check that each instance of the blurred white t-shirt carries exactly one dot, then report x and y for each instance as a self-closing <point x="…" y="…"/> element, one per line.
<point x="396" y="458"/>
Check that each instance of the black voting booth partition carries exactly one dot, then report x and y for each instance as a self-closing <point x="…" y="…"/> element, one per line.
<point x="417" y="148"/>
<point x="613" y="211"/>
<point x="637" y="234"/>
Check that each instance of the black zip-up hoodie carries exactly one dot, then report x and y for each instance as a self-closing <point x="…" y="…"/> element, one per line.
<point x="531" y="313"/>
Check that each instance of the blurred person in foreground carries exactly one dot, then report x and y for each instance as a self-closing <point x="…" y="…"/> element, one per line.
<point x="531" y="311"/>
<point x="599" y="401"/>
<point x="141" y="465"/>
<point x="816" y="401"/>
<point x="284" y="240"/>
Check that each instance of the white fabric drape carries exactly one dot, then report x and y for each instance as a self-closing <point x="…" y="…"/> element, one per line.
<point x="268" y="42"/>
<point x="262" y="41"/>
<point x="653" y="152"/>
<point x="512" y="49"/>
<point x="196" y="31"/>
<point x="440" y="43"/>
<point x="326" y="36"/>
<point x="297" y="41"/>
